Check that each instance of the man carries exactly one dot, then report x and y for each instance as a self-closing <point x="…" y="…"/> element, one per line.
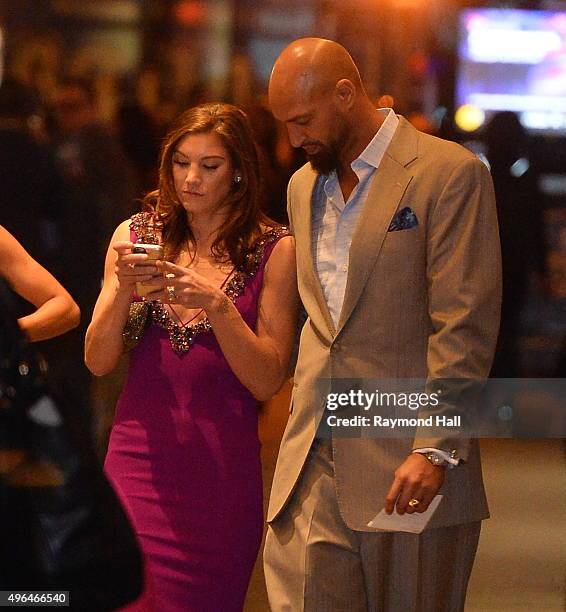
<point x="398" y="264"/>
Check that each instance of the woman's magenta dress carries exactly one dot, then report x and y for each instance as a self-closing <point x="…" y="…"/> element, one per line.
<point x="184" y="456"/>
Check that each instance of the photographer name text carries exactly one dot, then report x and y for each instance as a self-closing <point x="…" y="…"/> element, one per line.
<point x="333" y="420"/>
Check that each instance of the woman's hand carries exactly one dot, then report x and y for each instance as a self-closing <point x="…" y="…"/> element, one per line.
<point x="184" y="286"/>
<point x="131" y="268"/>
<point x="122" y="270"/>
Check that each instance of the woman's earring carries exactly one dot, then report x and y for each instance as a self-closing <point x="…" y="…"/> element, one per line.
<point x="238" y="178"/>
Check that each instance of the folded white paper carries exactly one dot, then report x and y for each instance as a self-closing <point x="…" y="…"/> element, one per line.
<point x="412" y="523"/>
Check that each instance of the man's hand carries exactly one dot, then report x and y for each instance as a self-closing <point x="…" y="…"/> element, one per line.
<point x="415" y="478"/>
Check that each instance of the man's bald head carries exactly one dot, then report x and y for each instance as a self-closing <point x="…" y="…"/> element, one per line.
<point x="316" y="90"/>
<point x="310" y="67"/>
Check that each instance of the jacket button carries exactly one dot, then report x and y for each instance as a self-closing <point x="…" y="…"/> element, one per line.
<point x="336" y="347"/>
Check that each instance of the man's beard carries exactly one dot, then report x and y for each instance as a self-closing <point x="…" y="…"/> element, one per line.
<point x="326" y="159"/>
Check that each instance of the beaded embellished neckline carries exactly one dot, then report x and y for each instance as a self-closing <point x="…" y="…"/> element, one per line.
<point x="183" y="336"/>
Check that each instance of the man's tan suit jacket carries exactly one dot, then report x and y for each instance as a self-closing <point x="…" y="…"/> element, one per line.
<point x="422" y="302"/>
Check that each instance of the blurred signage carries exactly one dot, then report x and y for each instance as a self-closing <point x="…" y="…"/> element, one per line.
<point x="514" y="60"/>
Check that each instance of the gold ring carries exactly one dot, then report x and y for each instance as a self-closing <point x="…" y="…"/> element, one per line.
<point x="414" y="502"/>
<point x="171" y="294"/>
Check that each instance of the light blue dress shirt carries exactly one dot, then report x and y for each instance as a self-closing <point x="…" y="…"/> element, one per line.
<point x="334" y="221"/>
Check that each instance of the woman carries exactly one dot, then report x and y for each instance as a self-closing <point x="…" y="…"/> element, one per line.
<point x="56" y="312"/>
<point x="184" y="451"/>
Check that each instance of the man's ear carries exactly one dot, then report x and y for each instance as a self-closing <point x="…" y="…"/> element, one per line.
<point x="345" y="93"/>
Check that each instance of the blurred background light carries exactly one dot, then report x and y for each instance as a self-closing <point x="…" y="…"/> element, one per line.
<point x="190" y="13"/>
<point x="469" y="118"/>
<point x="386" y="101"/>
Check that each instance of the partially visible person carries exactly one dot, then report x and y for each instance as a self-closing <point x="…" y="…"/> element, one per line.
<point x="213" y="339"/>
<point x="519" y="210"/>
<point x="56" y="312"/>
<point x="139" y="136"/>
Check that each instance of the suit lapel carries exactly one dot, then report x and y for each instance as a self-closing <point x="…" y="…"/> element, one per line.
<point x="388" y="185"/>
<point x="313" y="298"/>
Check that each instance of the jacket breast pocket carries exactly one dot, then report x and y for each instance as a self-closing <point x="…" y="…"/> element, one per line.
<point x="402" y="249"/>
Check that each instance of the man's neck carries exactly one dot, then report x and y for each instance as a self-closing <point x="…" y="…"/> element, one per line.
<point x="361" y="135"/>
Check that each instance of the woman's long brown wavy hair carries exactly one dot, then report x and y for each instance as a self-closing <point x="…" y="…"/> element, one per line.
<point x="245" y="221"/>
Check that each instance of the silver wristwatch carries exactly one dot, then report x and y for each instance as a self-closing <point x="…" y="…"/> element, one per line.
<point x="435" y="459"/>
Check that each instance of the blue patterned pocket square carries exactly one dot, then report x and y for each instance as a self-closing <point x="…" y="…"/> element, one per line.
<point x="404" y="219"/>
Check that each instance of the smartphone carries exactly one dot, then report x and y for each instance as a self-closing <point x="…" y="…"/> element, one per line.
<point x="154" y="252"/>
